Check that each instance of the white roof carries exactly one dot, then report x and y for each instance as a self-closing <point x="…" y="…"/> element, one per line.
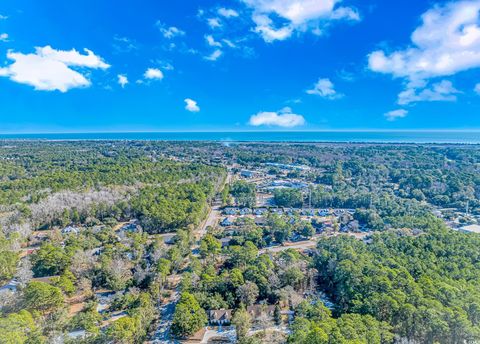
<point x="471" y="229"/>
<point x="77" y="334"/>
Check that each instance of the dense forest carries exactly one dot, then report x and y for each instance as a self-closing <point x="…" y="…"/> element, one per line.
<point x="443" y="175"/>
<point x="426" y="287"/>
<point x="107" y="242"/>
<point x="45" y="187"/>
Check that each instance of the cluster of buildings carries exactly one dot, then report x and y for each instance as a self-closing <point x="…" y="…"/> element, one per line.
<point x="457" y="220"/>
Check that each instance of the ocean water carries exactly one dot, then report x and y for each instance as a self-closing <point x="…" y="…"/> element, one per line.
<point x="470" y="137"/>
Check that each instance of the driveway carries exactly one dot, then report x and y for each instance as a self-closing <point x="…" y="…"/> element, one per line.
<point x="162" y="334"/>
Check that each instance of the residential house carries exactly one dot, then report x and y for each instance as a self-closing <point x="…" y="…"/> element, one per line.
<point x="70" y="230"/>
<point x="260" y="211"/>
<point x="323" y="212"/>
<point x="225" y="242"/>
<point x="247" y="173"/>
<point x="278" y="211"/>
<point x="10" y="286"/>
<point x="228" y="221"/>
<point x="256" y="311"/>
<point x="230" y="211"/>
<point x="261" y="221"/>
<point x="131" y="227"/>
<point x="245" y="211"/>
<point x="220" y="316"/>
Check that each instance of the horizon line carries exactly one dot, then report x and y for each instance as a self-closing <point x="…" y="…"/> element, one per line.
<point x="247" y="131"/>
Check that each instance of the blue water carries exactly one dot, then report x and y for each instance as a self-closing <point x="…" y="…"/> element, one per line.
<point x="471" y="137"/>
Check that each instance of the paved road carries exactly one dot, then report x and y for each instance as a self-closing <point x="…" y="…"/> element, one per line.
<point x="213" y="216"/>
<point x="211" y="220"/>
<point x="162" y="334"/>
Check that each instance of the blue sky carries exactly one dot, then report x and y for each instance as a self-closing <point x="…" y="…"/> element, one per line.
<point x="76" y="66"/>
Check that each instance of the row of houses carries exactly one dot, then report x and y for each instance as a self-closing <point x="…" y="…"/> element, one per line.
<point x="284" y="184"/>
<point x="245" y="211"/>
<point x="287" y="211"/>
<point x="231" y="221"/>
<point x="289" y="167"/>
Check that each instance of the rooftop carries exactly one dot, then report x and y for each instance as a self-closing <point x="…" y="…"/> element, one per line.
<point x="470" y="229"/>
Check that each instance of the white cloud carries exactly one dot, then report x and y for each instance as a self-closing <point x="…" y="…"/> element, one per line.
<point x="447" y="42"/>
<point x="3" y="37"/>
<point x="477" y="88"/>
<point x="169" y="32"/>
<point x="395" y="114"/>
<point x="227" y="12"/>
<point x="49" y="69"/>
<point x="122" y="80"/>
<point x="441" y="91"/>
<point x="212" y="42"/>
<point x="347" y="13"/>
<point x="72" y="57"/>
<point x="214" y="23"/>
<point x="191" y="105"/>
<point x="283" y="118"/>
<point x="300" y="15"/>
<point x="2" y="17"/>
<point x="324" y="88"/>
<point x="153" y="74"/>
<point x="124" y="44"/>
<point x="165" y="65"/>
<point x="346" y="75"/>
<point x="229" y="43"/>
<point x="264" y="27"/>
<point x="214" y="56"/>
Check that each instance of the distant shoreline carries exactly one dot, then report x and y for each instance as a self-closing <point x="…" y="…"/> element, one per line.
<point x="358" y="137"/>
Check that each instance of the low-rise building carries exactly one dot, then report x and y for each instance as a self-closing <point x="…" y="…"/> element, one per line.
<point x="228" y="221"/>
<point x="225" y="242"/>
<point x="70" y="230"/>
<point x="230" y="211"/>
<point x="470" y="229"/>
<point x="131" y="227"/>
<point x="256" y="311"/>
<point x="260" y="211"/>
<point x="245" y="211"/>
<point x="10" y="286"/>
<point x="220" y="316"/>
<point x="261" y="221"/>
<point x="247" y="173"/>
